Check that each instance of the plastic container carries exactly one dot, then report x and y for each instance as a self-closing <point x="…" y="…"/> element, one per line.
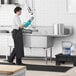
<point x="67" y="51"/>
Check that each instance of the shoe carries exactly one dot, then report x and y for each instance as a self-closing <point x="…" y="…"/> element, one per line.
<point x="10" y="62"/>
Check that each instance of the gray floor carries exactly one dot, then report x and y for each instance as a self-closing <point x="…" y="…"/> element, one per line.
<point x="41" y="73"/>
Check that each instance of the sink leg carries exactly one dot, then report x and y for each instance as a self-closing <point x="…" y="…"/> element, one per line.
<point x="46" y="56"/>
<point x="51" y="54"/>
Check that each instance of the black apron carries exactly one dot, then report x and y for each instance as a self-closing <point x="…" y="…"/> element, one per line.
<point x="18" y="50"/>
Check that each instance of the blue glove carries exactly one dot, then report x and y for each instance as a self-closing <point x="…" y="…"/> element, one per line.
<point x="27" y="23"/>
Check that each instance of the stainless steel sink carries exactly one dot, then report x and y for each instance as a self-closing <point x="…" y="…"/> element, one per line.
<point x="27" y="31"/>
<point x="30" y="31"/>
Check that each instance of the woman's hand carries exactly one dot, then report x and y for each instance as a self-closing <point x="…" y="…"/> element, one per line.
<point x="21" y="26"/>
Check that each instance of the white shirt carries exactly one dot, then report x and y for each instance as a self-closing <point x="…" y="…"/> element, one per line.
<point x="16" y="22"/>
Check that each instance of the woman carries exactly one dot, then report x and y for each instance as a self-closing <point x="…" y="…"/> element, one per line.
<point x="18" y="50"/>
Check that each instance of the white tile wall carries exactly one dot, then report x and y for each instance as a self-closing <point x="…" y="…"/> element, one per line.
<point x="6" y="14"/>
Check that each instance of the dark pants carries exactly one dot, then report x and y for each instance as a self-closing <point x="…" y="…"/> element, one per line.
<point x="18" y="50"/>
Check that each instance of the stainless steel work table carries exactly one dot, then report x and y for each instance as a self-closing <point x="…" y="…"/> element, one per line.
<point x="44" y="41"/>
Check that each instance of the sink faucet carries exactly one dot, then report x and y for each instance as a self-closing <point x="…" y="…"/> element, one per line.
<point x="31" y="10"/>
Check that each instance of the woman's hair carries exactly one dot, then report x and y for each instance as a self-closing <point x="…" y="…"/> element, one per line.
<point x="17" y="9"/>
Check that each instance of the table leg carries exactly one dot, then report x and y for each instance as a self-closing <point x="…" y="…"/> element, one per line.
<point x="6" y="57"/>
<point x="46" y="56"/>
<point x="10" y="48"/>
<point x="51" y="54"/>
<point x="10" y="53"/>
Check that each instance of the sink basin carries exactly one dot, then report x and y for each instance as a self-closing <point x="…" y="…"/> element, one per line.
<point x="4" y="31"/>
<point x="27" y="31"/>
<point x="30" y="31"/>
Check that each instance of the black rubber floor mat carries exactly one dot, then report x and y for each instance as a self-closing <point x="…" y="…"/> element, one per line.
<point x="44" y="67"/>
<point x="48" y="68"/>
